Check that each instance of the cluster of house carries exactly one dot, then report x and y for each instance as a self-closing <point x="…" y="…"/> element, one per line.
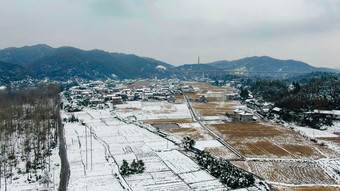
<point x="98" y="93"/>
<point x="335" y="114"/>
<point x="265" y="108"/>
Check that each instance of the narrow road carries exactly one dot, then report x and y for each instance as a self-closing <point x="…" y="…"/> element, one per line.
<point x="195" y="118"/>
<point x="65" y="166"/>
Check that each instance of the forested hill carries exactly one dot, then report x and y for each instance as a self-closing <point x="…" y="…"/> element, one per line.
<point x="265" y="63"/>
<point x="65" y="63"/>
<point x="12" y="72"/>
<point x="42" y="61"/>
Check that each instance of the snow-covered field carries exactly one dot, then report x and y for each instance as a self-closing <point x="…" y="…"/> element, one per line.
<point x="166" y="168"/>
<point x="315" y="133"/>
<point x="19" y="182"/>
<point x="153" y="110"/>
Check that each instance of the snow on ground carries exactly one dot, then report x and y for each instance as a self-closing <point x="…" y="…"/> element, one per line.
<point x="198" y="176"/>
<point x="151" y="110"/>
<point x="314" y="133"/>
<point x="201" y="145"/>
<point x="178" y="162"/>
<point x="113" y="141"/>
<point x="332" y="167"/>
<point x="212" y="118"/>
<point x="335" y="128"/>
<point x="20" y="183"/>
<point x="189" y="125"/>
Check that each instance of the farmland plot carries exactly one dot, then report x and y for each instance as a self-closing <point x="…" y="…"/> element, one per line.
<point x="215" y="108"/>
<point x="222" y="152"/>
<point x="154" y="110"/>
<point x="114" y="141"/>
<point x="306" y="188"/>
<point x="291" y="172"/>
<point x="194" y="133"/>
<point x="261" y="140"/>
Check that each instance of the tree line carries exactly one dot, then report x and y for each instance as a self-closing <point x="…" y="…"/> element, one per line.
<point x="299" y="100"/>
<point x="29" y="122"/>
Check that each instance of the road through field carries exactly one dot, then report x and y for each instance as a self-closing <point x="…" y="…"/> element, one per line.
<point x="195" y="118"/>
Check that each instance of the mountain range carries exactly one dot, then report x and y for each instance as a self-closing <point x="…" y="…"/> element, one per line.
<point x="64" y="63"/>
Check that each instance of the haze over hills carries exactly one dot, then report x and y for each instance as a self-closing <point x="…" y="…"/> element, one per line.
<point x="64" y="63"/>
<point x="257" y="64"/>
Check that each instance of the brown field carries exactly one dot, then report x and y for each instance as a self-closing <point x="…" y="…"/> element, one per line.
<point x="167" y="121"/>
<point x="306" y="188"/>
<point x="334" y="140"/>
<point x="178" y="96"/>
<point x="215" y="98"/>
<point x="194" y="133"/>
<point x="259" y="140"/>
<point x="214" y="108"/>
<point x="193" y="96"/>
<point x="204" y="87"/>
<point x="300" y="150"/>
<point x="291" y="172"/>
<point x="235" y="131"/>
<point x="265" y="148"/>
<point x="241" y="164"/>
<point x="222" y="152"/>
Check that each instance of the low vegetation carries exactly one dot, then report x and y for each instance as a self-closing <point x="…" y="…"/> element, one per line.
<point x="136" y="167"/>
<point x="227" y="173"/>
<point x="219" y="168"/>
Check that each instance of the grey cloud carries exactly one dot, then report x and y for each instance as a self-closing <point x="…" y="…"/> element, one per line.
<point x="178" y="31"/>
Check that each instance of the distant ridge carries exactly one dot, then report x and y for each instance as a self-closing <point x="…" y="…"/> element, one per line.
<point x="42" y="61"/>
<point x="265" y="63"/>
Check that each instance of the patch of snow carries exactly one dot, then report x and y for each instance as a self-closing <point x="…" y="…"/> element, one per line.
<point x="160" y="67"/>
<point x="201" y="145"/>
<point x="314" y="133"/>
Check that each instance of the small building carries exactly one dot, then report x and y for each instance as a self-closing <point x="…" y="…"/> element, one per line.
<point x="276" y="110"/>
<point x="147" y="95"/>
<point x="171" y="99"/>
<point x="117" y="100"/>
<point x="335" y="114"/>
<point x="203" y="99"/>
<point x="241" y="115"/>
<point x="95" y="101"/>
<point x="232" y="96"/>
<point x="188" y="89"/>
<point x="214" y="94"/>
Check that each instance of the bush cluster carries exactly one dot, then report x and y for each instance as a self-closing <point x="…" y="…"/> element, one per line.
<point x="135" y="167"/>
<point x="227" y="173"/>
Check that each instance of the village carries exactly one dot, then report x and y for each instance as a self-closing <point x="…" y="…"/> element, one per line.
<point x="284" y="156"/>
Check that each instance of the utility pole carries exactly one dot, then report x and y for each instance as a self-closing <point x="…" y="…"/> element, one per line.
<point x="91" y="144"/>
<point x="5" y="176"/>
<point x="85" y="146"/>
<point x="53" y="180"/>
<point x="0" y="171"/>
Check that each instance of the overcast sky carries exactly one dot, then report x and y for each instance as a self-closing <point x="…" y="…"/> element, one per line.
<point x="177" y="31"/>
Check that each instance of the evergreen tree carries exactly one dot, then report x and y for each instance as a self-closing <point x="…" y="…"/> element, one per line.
<point x="124" y="169"/>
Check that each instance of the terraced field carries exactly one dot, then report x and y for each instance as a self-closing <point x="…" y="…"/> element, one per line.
<point x="262" y="140"/>
<point x="291" y="172"/>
